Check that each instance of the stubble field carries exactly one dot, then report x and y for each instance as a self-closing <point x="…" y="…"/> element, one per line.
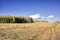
<point x="30" y="31"/>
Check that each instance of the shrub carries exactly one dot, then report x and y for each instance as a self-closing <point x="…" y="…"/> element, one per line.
<point x="12" y="19"/>
<point x="18" y="20"/>
<point x="23" y="20"/>
<point x="6" y="20"/>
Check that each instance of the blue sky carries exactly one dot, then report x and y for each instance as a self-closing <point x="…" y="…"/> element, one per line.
<point x="40" y="9"/>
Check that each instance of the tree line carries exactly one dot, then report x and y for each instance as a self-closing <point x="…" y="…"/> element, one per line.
<point x="14" y="19"/>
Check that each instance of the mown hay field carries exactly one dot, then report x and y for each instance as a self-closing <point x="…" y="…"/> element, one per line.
<point x="30" y="31"/>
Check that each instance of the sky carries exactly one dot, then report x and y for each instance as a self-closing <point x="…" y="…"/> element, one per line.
<point x="37" y="9"/>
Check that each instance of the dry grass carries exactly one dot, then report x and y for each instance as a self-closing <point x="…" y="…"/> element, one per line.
<point x="29" y="31"/>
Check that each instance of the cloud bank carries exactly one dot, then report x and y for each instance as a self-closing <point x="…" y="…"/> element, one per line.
<point x="35" y="16"/>
<point x="39" y="17"/>
<point x="50" y="17"/>
<point x="42" y="17"/>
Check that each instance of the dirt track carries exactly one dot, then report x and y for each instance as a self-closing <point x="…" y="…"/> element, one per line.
<point x="49" y="34"/>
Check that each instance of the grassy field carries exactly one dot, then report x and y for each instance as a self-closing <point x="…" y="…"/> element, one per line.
<point x="30" y="31"/>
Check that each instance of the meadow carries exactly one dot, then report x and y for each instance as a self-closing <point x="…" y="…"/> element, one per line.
<point x="30" y="31"/>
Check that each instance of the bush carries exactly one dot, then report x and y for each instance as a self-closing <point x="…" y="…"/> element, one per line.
<point x="18" y="20"/>
<point x="23" y="20"/>
<point x="8" y="19"/>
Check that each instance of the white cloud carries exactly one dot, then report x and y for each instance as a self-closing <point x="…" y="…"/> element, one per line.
<point x="51" y="16"/>
<point x="35" y="16"/>
<point x="42" y="17"/>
